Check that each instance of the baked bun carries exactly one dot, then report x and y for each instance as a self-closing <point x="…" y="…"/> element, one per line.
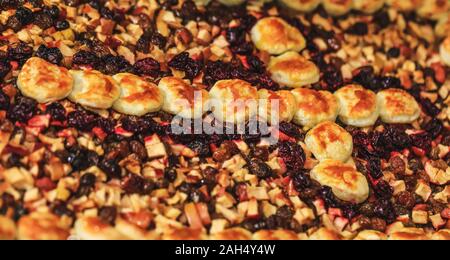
<point x="234" y="101"/>
<point x="329" y="141"/>
<point x="7" y="228"/>
<point x="181" y="234"/>
<point x="275" y="235"/>
<point x="409" y="234"/>
<point x="232" y="234"/>
<point x="346" y="182"/>
<point x="368" y="6"/>
<point x="293" y="70"/>
<point x="276" y="36"/>
<point x="324" y="234"/>
<point x="442" y="28"/>
<point x="397" y="106"/>
<point x="304" y="6"/>
<point x="337" y="7"/>
<point x="443" y="234"/>
<point x="138" y="97"/>
<point x="93" y="89"/>
<point x="41" y="226"/>
<point x="371" y="235"/>
<point x="314" y="107"/>
<point x="433" y="9"/>
<point x="44" y="81"/>
<point x="182" y="99"/>
<point x="276" y="106"/>
<point x="405" y="5"/>
<point x="358" y="106"/>
<point x="92" y="228"/>
<point x="445" y="51"/>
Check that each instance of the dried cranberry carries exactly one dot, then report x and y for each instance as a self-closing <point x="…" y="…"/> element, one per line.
<point x="148" y="67"/>
<point x="20" y="53"/>
<point x="291" y="130"/>
<point x="4" y="101"/>
<point x="429" y="107"/>
<point x="23" y="110"/>
<point x="60" y="209"/>
<point x="326" y="193"/>
<point x="158" y="40"/>
<point x="78" y="158"/>
<point x="85" y="58"/>
<point x="43" y="20"/>
<point x="260" y="169"/>
<point x="143" y="44"/>
<point x="382" y="19"/>
<point x="24" y="15"/>
<point x="107" y="124"/>
<point x="383" y="190"/>
<point x="87" y="182"/>
<point x="359" y="29"/>
<point x="235" y="36"/>
<point x="374" y="168"/>
<point x="184" y="63"/>
<point x="385" y="210"/>
<point x="108" y="215"/>
<point x="56" y="111"/>
<point x="292" y="155"/>
<point x="365" y="76"/>
<point x="135" y="124"/>
<point x="434" y="127"/>
<point x="333" y="79"/>
<point x="52" y="55"/>
<point x="349" y="211"/>
<point x="189" y="11"/>
<point x="134" y="184"/>
<point x="422" y="141"/>
<point x="301" y="180"/>
<point x="111" y="168"/>
<point x="9" y="4"/>
<point x="14" y="23"/>
<point x="200" y="147"/>
<point x="5" y="68"/>
<point x="62" y="25"/>
<point x="255" y="64"/>
<point x="115" y="64"/>
<point x="216" y="71"/>
<point x="393" y="52"/>
<point x="81" y="120"/>
<point x="52" y="11"/>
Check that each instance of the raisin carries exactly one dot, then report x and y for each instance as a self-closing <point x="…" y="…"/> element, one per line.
<point x="56" y="111"/>
<point x="359" y="29"/>
<point x="81" y="120"/>
<point x="301" y="180"/>
<point x="52" y="55"/>
<point x="20" y="53"/>
<point x="43" y="20"/>
<point x="24" y="15"/>
<point x="393" y="52"/>
<point x="378" y="224"/>
<point x="333" y="79"/>
<point x="200" y="147"/>
<point x="14" y="23"/>
<point x="291" y="130"/>
<point x="374" y="168"/>
<point x="260" y="169"/>
<point x="134" y="184"/>
<point x="115" y="64"/>
<point x="4" y="101"/>
<point x="60" y="209"/>
<point x="184" y="63"/>
<point x="85" y="58"/>
<point x="148" y="67"/>
<point x="328" y="197"/>
<point x="23" y="110"/>
<point x="87" y="183"/>
<point x="405" y="199"/>
<point x="53" y="11"/>
<point x="138" y="149"/>
<point x="158" y="40"/>
<point x="383" y="190"/>
<point x="292" y="155"/>
<point x="108" y="215"/>
<point x="430" y="108"/>
<point x="385" y="210"/>
<point x="108" y="125"/>
<point x="382" y="19"/>
<point x="398" y="166"/>
<point x="261" y="153"/>
<point x="62" y="25"/>
<point x="5" y="68"/>
<point x="189" y="11"/>
<point x="434" y="127"/>
<point x="143" y="44"/>
<point x="111" y="168"/>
